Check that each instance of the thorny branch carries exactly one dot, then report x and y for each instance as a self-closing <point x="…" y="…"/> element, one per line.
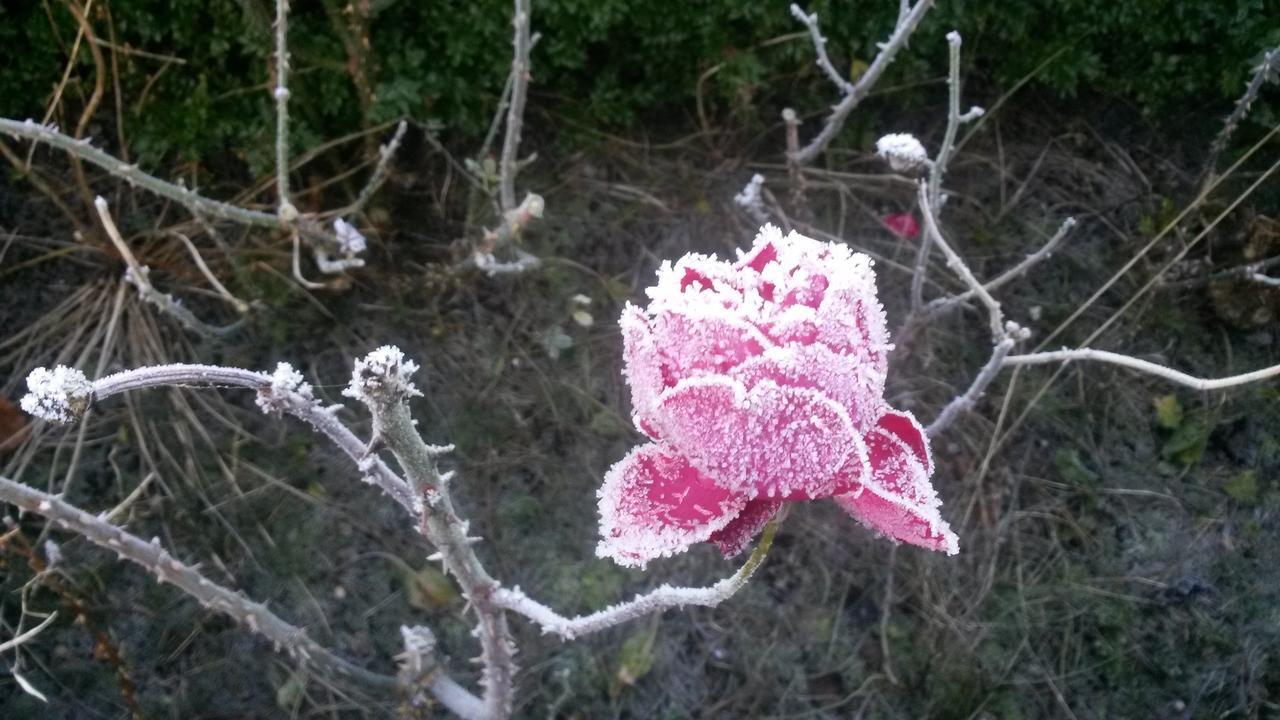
<point x="159" y="562"/>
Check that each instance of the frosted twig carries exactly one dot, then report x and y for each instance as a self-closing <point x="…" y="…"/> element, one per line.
<point x="381" y="382"/>
<point x="385" y="154"/>
<point x="938" y="169"/>
<point x="958" y="266"/>
<point x="1067" y="355"/>
<point x="966" y="401"/>
<point x="138" y="276"/>
<point x="166" y="568"/>
<point x="1268" y="70"/>
<point x="1004" y="335"/>
<point x="297" y="264"/>
<point x="300" y="405"/>
<point x="657" y="600"/>
<point x="287" y="212"/>
<point x="195" y="203"/>
<point x="905" y="26"/>
<point x="492" y="266"/>
<point x="940" y="305"/>
<point x="507" y="166"/>
<point x="820" y="48"/>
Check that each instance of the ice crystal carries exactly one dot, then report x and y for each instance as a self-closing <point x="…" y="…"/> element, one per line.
<point x="382" y="375"/>
<point x="350" y="241"/>
<point x="286" y="384"/>
<point x="903" y="152"/>
<point x="761" y="381"/>
<point x="59" y="395"/>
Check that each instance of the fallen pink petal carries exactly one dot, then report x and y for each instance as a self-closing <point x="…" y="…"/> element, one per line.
<point x="761" y="382"/>
<point x="904" y="225"/>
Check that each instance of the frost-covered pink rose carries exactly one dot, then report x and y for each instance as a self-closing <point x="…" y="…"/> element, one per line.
<point x="761" y="382"/>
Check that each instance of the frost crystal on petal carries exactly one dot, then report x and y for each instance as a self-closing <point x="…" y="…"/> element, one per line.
<point x="903" y="151"/>
<point x="59" y="395"/>
<point x="286" y="383"/>
<point x="382" y="375"/>
<point x="897" y="499"/>
<point x="654" y="503"/>
<point x="769" y="441"/>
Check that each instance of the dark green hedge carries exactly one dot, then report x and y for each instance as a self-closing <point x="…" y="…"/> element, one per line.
<point x="609" y="62"/>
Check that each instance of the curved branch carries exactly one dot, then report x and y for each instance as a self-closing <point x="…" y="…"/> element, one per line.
<point x="306" y="409"/>
<point x="1065" y="355"/>
<point x="656" y="600"/>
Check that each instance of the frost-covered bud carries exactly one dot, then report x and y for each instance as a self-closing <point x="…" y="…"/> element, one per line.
<point x="350" y="241"/>
<point x="285" y="382"/>
<point x="903" y="151"/>
<point x="382" y="376"/>
<point x="59" y="395"/>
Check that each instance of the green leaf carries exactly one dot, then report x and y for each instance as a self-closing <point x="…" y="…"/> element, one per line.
<point x="290" y="693"/>
<point x="429" y="588"/>
<point x="1243" y="487"/>
<point x="635" y="659"/>
<point x="1169" y="413"/>
<point x="1068" y="463"/>
<point x="1187" y="443"/>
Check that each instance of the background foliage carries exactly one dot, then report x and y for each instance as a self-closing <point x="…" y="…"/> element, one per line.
<point x="608" y="62"/>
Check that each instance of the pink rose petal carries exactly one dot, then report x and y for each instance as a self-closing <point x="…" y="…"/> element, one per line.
<point x="642" y="367"/>
<point x="845" y="379"/>
<point x="904" y="225"/>
<point x="898" y="500"/>
<point x="654" y="503"/>
<point x="700" y="342"/>
<point x="737" y="535"/>
<point x="769" y="441"/>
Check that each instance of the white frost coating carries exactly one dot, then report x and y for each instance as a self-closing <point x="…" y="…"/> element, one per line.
<point x="749" y="198"/>
<point x="350" y="241"/>
<point x="770" y="441"/>
<point x="903" y="152"/>
<point x="59" y="395"/>
<point x="649" y="509"/>
<point x="382" y="374"/>
<point x="285" y="382"/>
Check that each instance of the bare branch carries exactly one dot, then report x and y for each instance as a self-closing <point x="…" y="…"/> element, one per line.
<point x="966" y="401"/>
<point x="1268" y="70"/>
<point x="958" y="265"/>
<point x="820" y="48"/>
<point x="138" y="276"/>
<point x="657" y="600"/>
<point x="166" y="568"/>
<point x="1066" y="355"/>
<point x="288" y="213"/>
<point x="19" y="640"/>
<point x="304" y="408"/>
<point x="938" y="168"/>
<point x="903" y="29"/>
<point x="507" y="167"/>
<point x="940" y="305"/>
<point x="385" y="154"/>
